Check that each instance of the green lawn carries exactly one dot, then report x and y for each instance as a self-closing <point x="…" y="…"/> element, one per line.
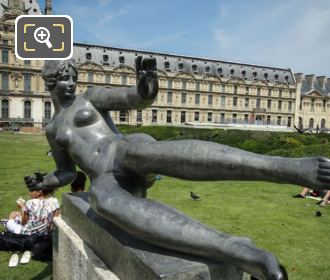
<point x="262" y="211"/>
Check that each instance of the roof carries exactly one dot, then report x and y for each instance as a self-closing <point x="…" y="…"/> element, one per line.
<point x="106" y="55"/>
<point x="320" y="84"/>
<point x="32" y="5"/>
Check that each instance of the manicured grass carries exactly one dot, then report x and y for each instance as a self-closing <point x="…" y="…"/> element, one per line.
<point x="264" y="212"/>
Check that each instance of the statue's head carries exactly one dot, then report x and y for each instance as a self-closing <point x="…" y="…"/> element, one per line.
<point x="60" y="75"/>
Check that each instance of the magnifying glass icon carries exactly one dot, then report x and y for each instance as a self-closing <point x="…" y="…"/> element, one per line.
<point x="41" y="35"/>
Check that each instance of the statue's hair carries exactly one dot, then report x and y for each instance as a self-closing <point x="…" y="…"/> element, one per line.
<point x="53" y="69"/>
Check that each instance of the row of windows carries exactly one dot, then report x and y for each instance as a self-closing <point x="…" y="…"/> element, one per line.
<point x="223" y="101"/>
<point x="27" y="108"/>
<point x="222" y="118"/>
<point x="5" y="57"/>
<point x="311" y="123"/>
<point x="5" y="81"/>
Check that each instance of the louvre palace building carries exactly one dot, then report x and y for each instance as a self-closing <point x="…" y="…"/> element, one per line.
<point x="193" y="91"/>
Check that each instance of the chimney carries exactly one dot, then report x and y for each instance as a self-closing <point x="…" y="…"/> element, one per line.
<point x="299" y="77"/>
<point x="48" y="7"/>
<point x="310" y="80"/>
<point x="321" y="80"/>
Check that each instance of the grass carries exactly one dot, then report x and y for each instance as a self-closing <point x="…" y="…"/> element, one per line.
<point x="265" y="212"/>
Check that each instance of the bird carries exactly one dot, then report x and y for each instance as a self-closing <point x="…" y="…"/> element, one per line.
<point x="194" y="196"/>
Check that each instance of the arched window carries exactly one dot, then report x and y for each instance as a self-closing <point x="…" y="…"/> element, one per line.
<point x="48" y="110"/>
<point x="311" y="123"/>
<point x="300" y="124"/>
<point x="27" y="109"/>
<point x="323" y="123"/>
<point x="5" y="108"/>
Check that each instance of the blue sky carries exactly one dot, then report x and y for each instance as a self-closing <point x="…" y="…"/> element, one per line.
<point x="283" y="33"/>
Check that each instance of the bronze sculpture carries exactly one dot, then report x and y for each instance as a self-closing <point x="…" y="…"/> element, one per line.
<point x="121" y="166"/>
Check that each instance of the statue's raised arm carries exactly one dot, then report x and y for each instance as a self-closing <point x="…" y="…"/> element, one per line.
<point x="138" y="97"/>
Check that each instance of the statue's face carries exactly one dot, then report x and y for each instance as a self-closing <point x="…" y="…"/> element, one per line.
<point x="66" y="83"/>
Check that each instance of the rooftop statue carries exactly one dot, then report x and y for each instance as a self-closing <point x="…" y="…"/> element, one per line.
<point x="121" y="168"/>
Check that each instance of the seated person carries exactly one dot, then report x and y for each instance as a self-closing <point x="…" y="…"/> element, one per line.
<point x="78" y="185"/>
<point x="325" y="200"/>
<point x="37" y="214"/>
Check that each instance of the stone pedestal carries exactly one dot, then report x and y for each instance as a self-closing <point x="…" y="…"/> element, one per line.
<point x="118" y="253"/>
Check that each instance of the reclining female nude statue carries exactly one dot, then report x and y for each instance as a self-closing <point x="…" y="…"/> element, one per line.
<point x="82" y="133"/>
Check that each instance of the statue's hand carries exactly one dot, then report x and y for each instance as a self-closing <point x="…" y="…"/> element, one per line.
<point x="35" y="183"/>
<point x="146" y="77"/>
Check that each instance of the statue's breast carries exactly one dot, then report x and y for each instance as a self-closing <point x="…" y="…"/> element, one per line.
<point x="84" y="117"/>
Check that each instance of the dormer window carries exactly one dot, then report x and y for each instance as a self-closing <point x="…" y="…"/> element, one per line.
<point x="276" y="77"/>
<point x="207" y="69"/>
<point x="194" y="67"/>
<point x="180" y="66"/>
<point x="166" y="65"/>
<point x="254" y="74"/>
<point x="286" y="78"/>
<point x="243" y="73"/>
<point x="265" y="76"/>
<point x="88" y="56"/>
<point x="105" y="58"/>
<point x="122" y="59"/>
<point x="219" y="70"/>
<point x="232" y="71"/>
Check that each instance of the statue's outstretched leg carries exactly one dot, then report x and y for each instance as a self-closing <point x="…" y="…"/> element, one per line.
<point x="201" y="160"/>
<point x="163" y="226"/>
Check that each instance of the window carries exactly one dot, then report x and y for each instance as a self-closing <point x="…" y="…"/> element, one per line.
<point x="276" y="77"/>
<point x="169" y="84"/>
<point x="246" y="118"/>
<point x="27" y="81"/>
<point x="48" y="110"/>
<point x="243" y="73"/>
<point x="5" y="79"/>
<point x="207" y="69"/>
<point x="269" y="92"/>
<point x="183" y="98"/>
<point x="154" y="116"/>
<point x="269" y="103"/>
<point x="222" y="117"/>
<point x="210" y="87"/>
<point x="139" y="116"/>
<point x="290" y="94"/>
<point x="197" y="86"/>
<point x="5" y="42"/>
<point x="27" y="62"/>
<point x="197" y="97"/>
<point x="311" y="123"/>
<point x="105" y="58"/>
<point x="300" y="123"/>
<point x="167" y="65"/>
<point x="258" y="103"/>
<point x="280" y="93"/>
<point x="232" y="71"/>
<point x="290" y="106"/>
<point x="323" y="123"/>
<point x="223" y="88"/>
<point x="235" y="101"/>
<point x="219" y="70"/>
<point x="268" y="120"/>
<point x="279" y="119"/>
<point x="289" y="122"/>
<point x="27" y="109"/>
<point x="123" y="116"/>
<point x="184" y="85"/>
<point x="88" y="56"/>
<point x="169" y="116"/>
<point x="258" y="91"/>
<point x="246" y="103"/>
<point x="234" y="118"/>
<point x="5" y="108"/>
<point x="122" y="59"/>
<point x="210" y="99"/>
<point x="180" y="65"/>
<point x="183" y="117"/>
<point x="5" y="56"/>
<point x="169" y="97"/>
<point x="209" y="117"/>
<point x="124" y="80"/>
<point x="247" y="90"/>
<point x="194" y="68"/>
<point x="196" y="117"/>
<point x="107" y="78"/>
<point x="279" y="105"/>
<point x="90" y="77"/>
<point x="235" y="89"/>
<point x="223" y="101"/>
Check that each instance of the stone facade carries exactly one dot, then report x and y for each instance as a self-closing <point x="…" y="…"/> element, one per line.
<point x="192" y="90"/>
